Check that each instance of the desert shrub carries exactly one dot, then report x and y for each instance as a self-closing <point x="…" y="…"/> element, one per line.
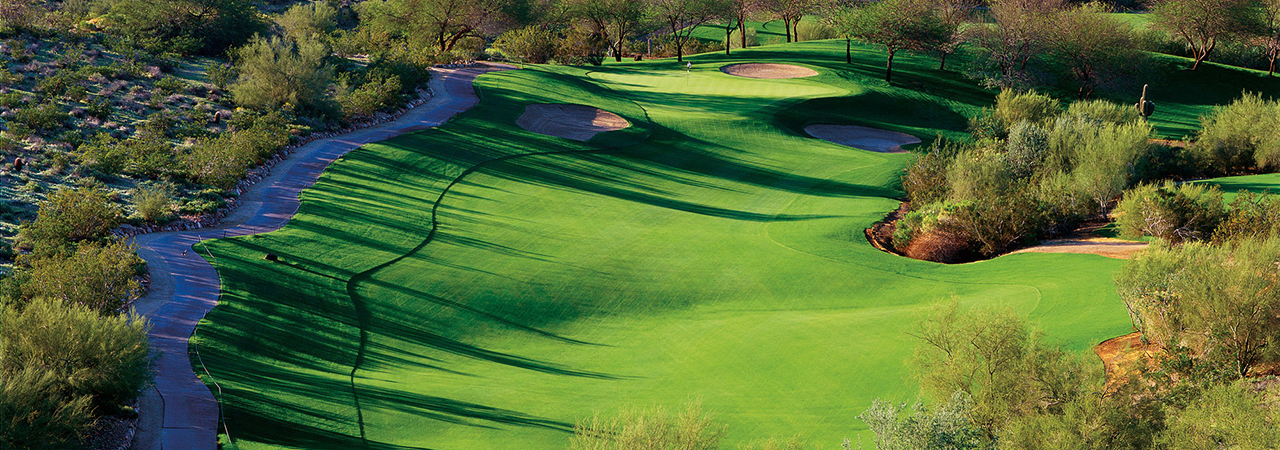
<point x="183" y="26"/>
<point x="533" y="44"/>
<point x="71" y="215"/>
<point x="219" y="74"/>
<point x="276" y="72"/>
<point x="1013" y="107"/>
<point x="814" y="30"/>
<point x="374" y="94"/>
<point x="924" y="427"/>
<point x="1103" y="166"/>
<point x="1226" y="416"/>
<point x="580" y="46"/>
<point x="1175" y="213"/>
<point x="309" y="20"/>
<point x="1249" y="216"/>
<point x="925" y="179"/>
<point x="36" y="413"/>
<point x="42" y="117"/>
<point x="657" y="428"/>
<point x="98" y="276"/>
<point x="1025" y="148"/>
<point x="100" y="108"/>
<point x="1103" y="111"/>
<point x="169" y="85"/>
<point x="12" y="99"/>
<point x="223" y="160"/>
<point x="106" y="358"/>
<point x="1241" y="135"/>
<point x="152" y="203"/>
<point x="1221" y="302"/>
<point x="147" y="154"/>
<point x="735" y="39"/>
<point x="57" y="84"/>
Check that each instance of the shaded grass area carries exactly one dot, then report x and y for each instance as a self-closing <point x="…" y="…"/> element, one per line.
<point x="710" y="250"/>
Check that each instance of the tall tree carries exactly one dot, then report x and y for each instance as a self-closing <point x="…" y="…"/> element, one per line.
<point x="1096" y="49"/>
<point x="791" y="11"/>
<point x="1021" y="32"/>
<point x="441" y="23"/>
<point x="1269" y="36"/>
<point x="736" y="18"/>
<point x="1203" y="24"/>
<point x="684" y="16"/>
<point x="954" y="14"/>
<point x="609" y="21"/>
<point x="896" y="25"/>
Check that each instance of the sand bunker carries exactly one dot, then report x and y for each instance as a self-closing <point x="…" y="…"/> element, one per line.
<point x="577" y="122"/>
<point x="866" y="138"/>
<point x="1111" y="248"/>
<point x="770" y="71"/>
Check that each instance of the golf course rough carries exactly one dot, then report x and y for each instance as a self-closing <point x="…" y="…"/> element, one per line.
<point x="481" y="286"/>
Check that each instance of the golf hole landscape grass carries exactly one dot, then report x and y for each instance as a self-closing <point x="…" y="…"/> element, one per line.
<point x="483" y="286"/>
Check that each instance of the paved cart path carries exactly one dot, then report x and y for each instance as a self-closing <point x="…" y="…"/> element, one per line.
<point x="185" y="287"/>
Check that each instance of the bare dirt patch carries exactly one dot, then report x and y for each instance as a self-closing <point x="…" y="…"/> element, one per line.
<point x="768" y="71"/>
<point x="577" y="122"/>
<point x="1101" y="246"/>
<point x="866" y="138"/>
<point x="1124" y="357"/>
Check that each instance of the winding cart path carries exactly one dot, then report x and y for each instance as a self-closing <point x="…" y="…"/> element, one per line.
<point x="181" y="412"/>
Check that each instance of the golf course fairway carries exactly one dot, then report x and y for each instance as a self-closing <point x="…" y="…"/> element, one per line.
<point x="480" y="286"/>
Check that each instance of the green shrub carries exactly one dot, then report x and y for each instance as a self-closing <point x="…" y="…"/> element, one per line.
<point x="107" y="358"/>
<point x="12" y="99"/>
<point x="1175" y="213"/>
<point x="219" y="74"/>
<point x="925" y="179"/>
<point x="100" y="108"/>
<point x="1103" y="111"/>
<point x="38" y="414"/>
<point x="1250" y="216"/>
<point x="152" y="203"/>
<point x="1226" y="416"/>
<point x="374" y="94"/>
<point x="147" y="154"/>
<point x="533" y="44"/>
<point x="275" y="72"/>
<point x="691" y="429"/>
<point x="309" y="20"/>
<point x="1241" y="135"/>
<point x="98" y="276"/>
<point x="42" y="117"/>
<point x="71" y="215"/>
<point x="1011" y="108"/>
<point x="170" y="85"/>
<point x="57" y="84"/>
<point x="1025" y="148"/>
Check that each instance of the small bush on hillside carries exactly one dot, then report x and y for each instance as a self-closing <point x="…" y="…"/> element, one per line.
<point x="152" y="203"/>
<point x="42" y="117"/>
<point x="1175" y="213"/>
<point x="374" y="94"/>
<point x="98" y="276"/>
<point x="920" y="426"/>
<point x="1011" y="108"/>
<point x="1241" y="135"/>
<point x="71" y="215"/>
<point x="169" y="85"/>
<point x="277" y="72"/>
<point x="1103" y="111"/>
<point x="814" y="30"/>
<point x="148" y="155"/>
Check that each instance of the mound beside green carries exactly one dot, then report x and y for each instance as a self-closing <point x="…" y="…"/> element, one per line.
<point x="479" y="286"/>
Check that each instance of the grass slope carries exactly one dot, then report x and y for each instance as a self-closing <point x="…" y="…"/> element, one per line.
<point x="478" y="286"/>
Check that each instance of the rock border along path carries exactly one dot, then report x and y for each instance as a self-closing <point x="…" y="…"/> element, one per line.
<point x="185" y="286"/>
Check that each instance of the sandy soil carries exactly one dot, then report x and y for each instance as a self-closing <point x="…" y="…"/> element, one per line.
<point x="769" y="71"/>
<point x="577" y="122"/>
<point x="1121" y="356"/>
<point x="1111" y="248"/>
<point x="866" y="138"/>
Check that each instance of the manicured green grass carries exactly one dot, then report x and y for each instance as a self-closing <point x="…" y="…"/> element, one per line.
<point x="1259" y="184"/>
<point x="711" y="250"/>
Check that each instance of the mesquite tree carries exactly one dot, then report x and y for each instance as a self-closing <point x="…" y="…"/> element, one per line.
<point x="896" y="25"/>
<point x="684" y="16"/>
<point x="1204" y="24"/>
<point x="1095" y="49"/>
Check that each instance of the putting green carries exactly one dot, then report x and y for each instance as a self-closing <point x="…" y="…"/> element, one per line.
<point x="711" y="250"/>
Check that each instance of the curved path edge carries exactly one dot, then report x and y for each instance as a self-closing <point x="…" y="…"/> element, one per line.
<point x="185" y="286"/>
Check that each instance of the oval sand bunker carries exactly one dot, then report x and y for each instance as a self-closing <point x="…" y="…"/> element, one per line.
<point x="866" y="138"/>
<point x="577" y="122"/>
<point x="770" y="71"/>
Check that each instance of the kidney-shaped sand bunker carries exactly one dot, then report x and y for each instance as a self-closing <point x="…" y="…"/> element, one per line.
<point x="866" y="138"/>
<point x="577" y="122"/>
<point x="771" y="71"/>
